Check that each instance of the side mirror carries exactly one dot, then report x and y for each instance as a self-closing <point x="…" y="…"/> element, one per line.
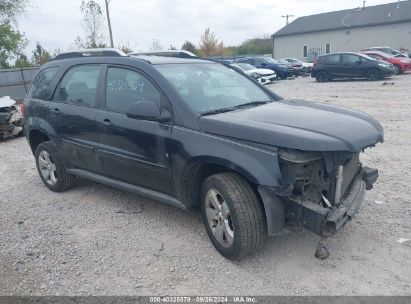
<point x="148" y="110"/>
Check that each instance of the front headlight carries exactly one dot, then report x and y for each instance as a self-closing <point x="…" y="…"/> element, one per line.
<point x="384" y="65"/>
<point x="255" y="75"/>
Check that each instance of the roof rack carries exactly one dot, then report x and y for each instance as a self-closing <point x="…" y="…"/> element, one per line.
<point x="170" y="53"/>
<point x="100" y="52"/>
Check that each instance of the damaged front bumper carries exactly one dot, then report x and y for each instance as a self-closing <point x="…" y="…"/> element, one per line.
<point x="323" y="221"/>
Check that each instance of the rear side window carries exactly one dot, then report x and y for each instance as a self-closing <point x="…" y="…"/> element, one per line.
<point x="125" y="87"/>
<point x="79" y="86"/>
<point x="351" y="59"/>
<point x="332" y="59"/>
<point x="40" y="87"/>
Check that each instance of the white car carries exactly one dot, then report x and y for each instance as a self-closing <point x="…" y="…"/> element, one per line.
<point x="306" y="65"/>
<point x="263" y="76"/>
<point x="11" y="118"/>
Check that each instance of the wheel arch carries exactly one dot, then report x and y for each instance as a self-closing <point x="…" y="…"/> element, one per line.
<point x="198" y="169"/>
<point x="36" y="137"/>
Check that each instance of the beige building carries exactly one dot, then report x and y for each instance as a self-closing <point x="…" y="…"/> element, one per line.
<point x="345" y="31"/>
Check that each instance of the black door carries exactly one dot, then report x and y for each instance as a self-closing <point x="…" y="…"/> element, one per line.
<point x="133" y="150"/>
<point x="72" y="115"/>
<point x="333" y="66"/>
<point x="352" y="66"/>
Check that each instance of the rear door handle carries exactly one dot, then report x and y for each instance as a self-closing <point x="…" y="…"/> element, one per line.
<point x="55" y="111"/>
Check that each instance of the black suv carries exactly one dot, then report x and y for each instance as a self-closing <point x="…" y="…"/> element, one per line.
<point x="194" y="133"/>
<point x="350" y="65"/>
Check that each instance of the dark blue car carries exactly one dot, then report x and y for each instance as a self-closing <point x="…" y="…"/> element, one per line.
<point x="282" y="70"/>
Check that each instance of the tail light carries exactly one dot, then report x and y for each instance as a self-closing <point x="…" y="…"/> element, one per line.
<point x="22" y="109"/>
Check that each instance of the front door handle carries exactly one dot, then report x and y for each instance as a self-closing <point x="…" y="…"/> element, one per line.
<point x="55" y="111"/>
<point x="106" y="122"/>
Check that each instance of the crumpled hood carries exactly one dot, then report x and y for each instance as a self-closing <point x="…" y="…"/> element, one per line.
<point x="298" y="125"/>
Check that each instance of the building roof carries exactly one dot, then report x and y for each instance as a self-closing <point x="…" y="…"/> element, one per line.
<point x="360" y="17"/>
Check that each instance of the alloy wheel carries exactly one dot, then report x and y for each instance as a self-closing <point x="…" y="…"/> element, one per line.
<point x="47" y="168"/>
<point x="219" y="218"/>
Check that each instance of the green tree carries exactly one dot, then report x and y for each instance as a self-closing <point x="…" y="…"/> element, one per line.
<point x="10" y="9"/>
<point x="22" y="62"/>
<point x="189" y="46"/>
<point x="12" y="43"/>
<point x="40" y="55"/>
<point x="255" y="46"/>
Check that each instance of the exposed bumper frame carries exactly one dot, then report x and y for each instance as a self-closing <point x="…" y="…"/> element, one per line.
<point x="322" y="221"/>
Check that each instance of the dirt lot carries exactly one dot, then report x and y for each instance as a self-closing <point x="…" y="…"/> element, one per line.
<point x="95" y="240"/>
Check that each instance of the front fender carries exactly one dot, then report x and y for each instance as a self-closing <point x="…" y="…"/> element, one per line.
<point x="190" y="147"/>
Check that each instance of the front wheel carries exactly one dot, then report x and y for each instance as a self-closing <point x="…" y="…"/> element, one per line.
<point x="398" y="70"/>
<point x="373" y="75"/>
<point x="233" y="216"/>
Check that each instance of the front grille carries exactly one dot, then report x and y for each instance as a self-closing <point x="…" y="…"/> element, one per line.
<point x="351" y="169"/>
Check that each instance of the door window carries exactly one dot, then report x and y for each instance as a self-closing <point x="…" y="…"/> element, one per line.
<point x="350" y="58"/>
<point x="79" y="86"/>
<point x="333" y="59"/>
<point x="40" y="87"/>
<point x="126" y="87"/>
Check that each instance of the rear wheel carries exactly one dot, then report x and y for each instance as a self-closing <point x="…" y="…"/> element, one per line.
<point x="51" y="169"/>
<point x="322" y="77"/>
<point x="233" y="215"/>
<point x="373" y="75"/>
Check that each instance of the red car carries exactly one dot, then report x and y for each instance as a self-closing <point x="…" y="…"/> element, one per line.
<point x="401" y="64"/>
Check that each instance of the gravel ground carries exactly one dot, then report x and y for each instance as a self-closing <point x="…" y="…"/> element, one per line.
<point x="95" y="240"/>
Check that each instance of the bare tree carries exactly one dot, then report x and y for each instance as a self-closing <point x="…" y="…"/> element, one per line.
<point x="92" y="21"/>
<point x="156" y="46"/>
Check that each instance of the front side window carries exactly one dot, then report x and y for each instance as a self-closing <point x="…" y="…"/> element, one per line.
<point x="350" y="59"/>
<point x="126" y="87"/>
<point x="79" y="86"/>
<point x="211" y="87"/>
<point x="40" y="87"/>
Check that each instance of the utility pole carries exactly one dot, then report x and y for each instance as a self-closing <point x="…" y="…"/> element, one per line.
<point x="287" y="17"/>
<point x="109" y="23"/>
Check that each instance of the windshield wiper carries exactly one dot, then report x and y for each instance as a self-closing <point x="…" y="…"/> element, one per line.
<point x="251" y="104"/>
<point x="218" y="111"/>
<point x="241" y="106"/>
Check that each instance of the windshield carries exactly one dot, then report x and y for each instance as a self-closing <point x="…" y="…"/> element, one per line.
<point x="212" y="87"/>
<point x="270" y="60"/>
<point x="245" y="66"/>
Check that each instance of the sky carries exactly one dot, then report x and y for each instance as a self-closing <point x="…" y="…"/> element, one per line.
<point x="57" y="23"/>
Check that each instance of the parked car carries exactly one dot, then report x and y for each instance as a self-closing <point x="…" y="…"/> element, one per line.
<point x="194" y="133"/>
<point x="263" y="76"/>
<point x="350" y="65"/>
<point x="282" y="70"/>
<point x="11" y="118"/>
<point x="387" y="50"/>
<point x="298" y="68"/>
<point x="400" y="64"/>
<point x="307" y="67"/>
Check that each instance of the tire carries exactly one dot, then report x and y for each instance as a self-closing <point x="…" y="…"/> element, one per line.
<point x="373" y="75"/>
<point x="322" y="77"/>
<point x="398" y="70"/>
<point x="230" y="206"/>
<point x="51" y="169"/>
